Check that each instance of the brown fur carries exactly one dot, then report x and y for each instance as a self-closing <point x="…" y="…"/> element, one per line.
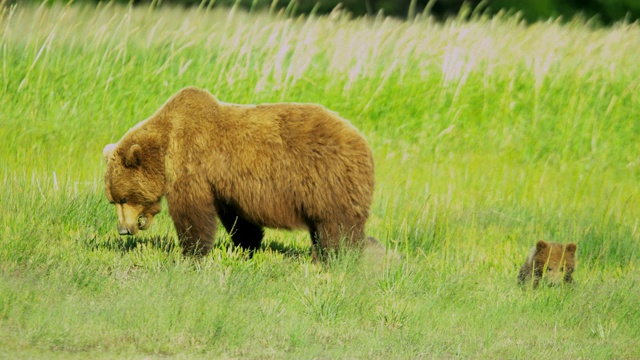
<point x="551" y="260"/>
<point x="285" y="166"/>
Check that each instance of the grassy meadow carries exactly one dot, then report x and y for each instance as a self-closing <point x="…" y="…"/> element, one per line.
<point x="488" y="134"/>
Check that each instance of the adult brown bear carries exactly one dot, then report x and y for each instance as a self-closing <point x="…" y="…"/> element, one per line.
<point x="285" y="166"/>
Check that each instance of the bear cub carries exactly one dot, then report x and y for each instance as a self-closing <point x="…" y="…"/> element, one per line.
<point x="552" y="261"/>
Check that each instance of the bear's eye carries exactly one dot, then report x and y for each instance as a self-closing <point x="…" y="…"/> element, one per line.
<point x="549" y="268"/>
<point x="123" y="201"/>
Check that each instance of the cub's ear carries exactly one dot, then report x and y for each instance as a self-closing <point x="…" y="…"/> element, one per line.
<point x="541" y="245"/>
<point x="571" y="248"/>
<point x="108" y="150"/>
<point x="133" y="156"/>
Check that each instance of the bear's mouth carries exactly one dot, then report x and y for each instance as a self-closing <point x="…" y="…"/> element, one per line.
<point x="142" y="221"/>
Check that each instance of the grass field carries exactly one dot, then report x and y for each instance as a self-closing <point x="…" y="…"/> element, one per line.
<point x="487" y="134"/>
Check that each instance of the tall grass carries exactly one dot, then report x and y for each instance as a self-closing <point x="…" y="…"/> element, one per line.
<point x="487" y="134"/>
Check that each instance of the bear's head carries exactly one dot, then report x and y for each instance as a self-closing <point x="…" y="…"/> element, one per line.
<point x="555" y="262"/>
<point x="134" y="182"/>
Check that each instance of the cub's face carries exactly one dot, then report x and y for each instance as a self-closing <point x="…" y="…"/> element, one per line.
<point x="555" y="262"/>
<point x="132" y="186"/>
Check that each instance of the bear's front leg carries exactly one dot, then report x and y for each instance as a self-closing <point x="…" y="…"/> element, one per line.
<point x="524" y="274"/>
<point x="195" y="222"/>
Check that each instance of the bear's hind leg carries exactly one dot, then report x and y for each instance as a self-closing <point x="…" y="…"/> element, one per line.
<point x="316" y="250"/>
<point x="243" y="233"/>
<point x="331" y="237"/>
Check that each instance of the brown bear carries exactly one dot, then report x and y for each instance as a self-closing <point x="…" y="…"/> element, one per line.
<point x="286" y="166"/>
<point x="553" y="261"/>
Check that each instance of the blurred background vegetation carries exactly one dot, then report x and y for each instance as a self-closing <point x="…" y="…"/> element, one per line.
<point x="602" y="12"/>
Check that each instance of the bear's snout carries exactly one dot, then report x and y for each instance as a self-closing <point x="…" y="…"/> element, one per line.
<point x="129" y="219"/>
<point x="124" y="231"/>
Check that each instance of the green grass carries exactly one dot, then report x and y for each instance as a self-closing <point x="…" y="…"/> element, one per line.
<point x="488" y="135"/>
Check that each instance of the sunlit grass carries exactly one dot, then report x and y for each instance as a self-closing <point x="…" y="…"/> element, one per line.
<point x="488" y="135"/>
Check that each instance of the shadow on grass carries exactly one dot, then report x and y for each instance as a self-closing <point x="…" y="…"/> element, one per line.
<point x="126" y="244"/>
<point x="286" y="250"/>
<point x="169" y="244"/>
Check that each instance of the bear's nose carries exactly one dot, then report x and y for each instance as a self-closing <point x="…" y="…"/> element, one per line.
<point x="123" y="231"/>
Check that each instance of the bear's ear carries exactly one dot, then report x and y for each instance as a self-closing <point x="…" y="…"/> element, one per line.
<point x="571" y="248"/>
<point x="541" y="245"/>
<point x="133" y="156"/>
<point x="108" y="150"/>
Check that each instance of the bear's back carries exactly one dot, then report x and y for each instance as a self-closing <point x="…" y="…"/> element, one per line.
<point x="302" y="157"/>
